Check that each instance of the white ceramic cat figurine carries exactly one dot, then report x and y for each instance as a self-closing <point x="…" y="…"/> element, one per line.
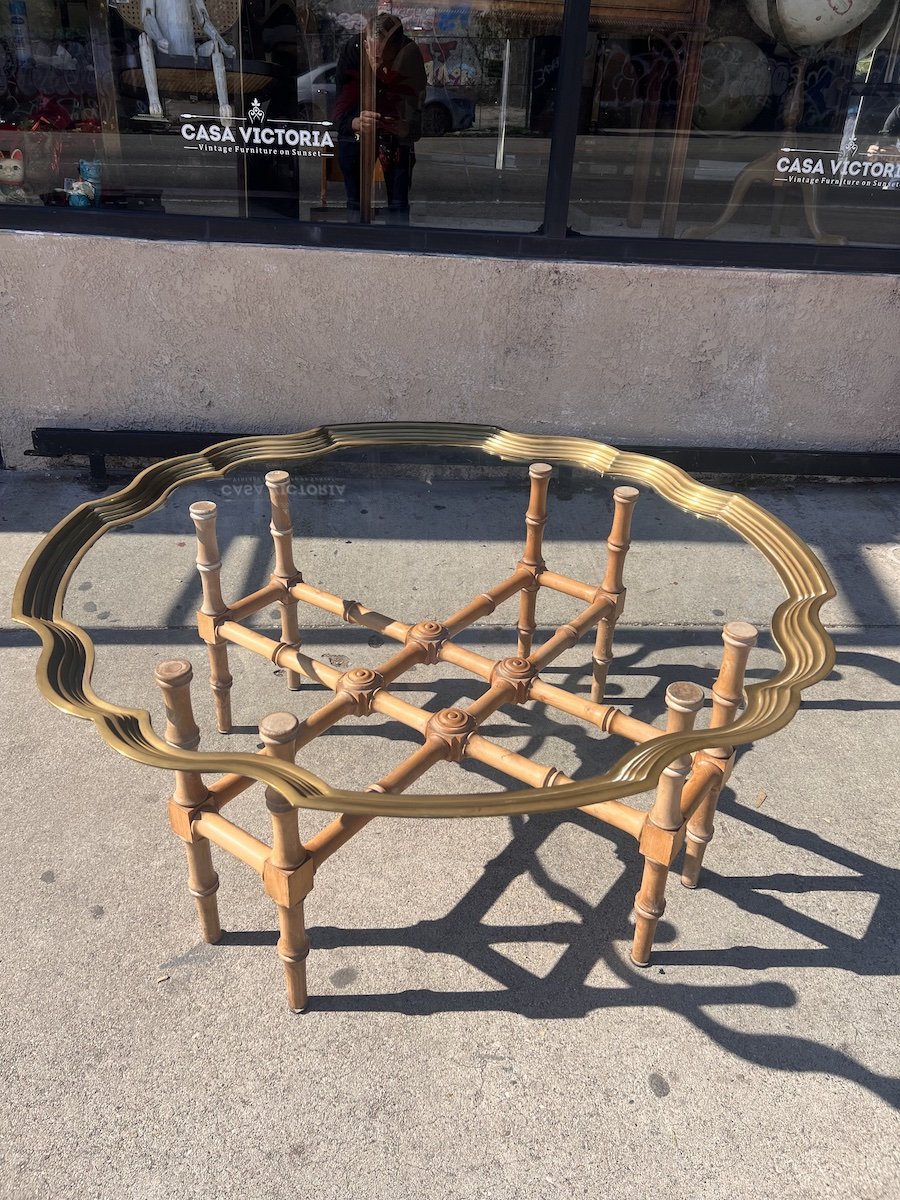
<point x="12" y="180"/>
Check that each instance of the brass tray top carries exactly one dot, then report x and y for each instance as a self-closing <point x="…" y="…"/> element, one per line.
<point x="67" y="658"/>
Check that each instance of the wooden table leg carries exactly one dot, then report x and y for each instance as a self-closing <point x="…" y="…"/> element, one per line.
<point x="174" y="680"/>
<point x="617" y="547"/>
<point x="278" y="483"/>
<point x="209" y="564"/>
<point x="278" y="731"/>
<point x="661" y="838"/>
<point x="739" y="638"/>
<point x="532" y="556"/>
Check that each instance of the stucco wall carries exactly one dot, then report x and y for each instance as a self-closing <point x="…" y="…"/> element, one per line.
<point x="115" y="333"/>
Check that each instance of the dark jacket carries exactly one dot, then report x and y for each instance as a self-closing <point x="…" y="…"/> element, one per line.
<point x="891" y="126"/>
<point x="399" y="90"/>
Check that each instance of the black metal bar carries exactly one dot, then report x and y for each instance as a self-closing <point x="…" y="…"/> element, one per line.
<point x="567" y="105"/>
<point x="97" y="465"/>
<point x="58" y="441"/>
<point x="763" y="256"/>
<point x="52" y="442"/>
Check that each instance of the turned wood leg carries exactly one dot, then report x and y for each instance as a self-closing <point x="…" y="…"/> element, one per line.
<point x="602" y="658"/>
<point x="213" y="609"/>
<point x="527" y="623"/>
<point x="700" y="830"/>
<point x="293" y="950"/>
<point x="220" y="682"/>
<point x="282" y="530"/>
<point x="278" y="732"/>
<point x="174" y="680"/>
<point x="613" y="584"/>
<point x="203" y="883"/>
<point x="662" y="833"/>
<point x="532" y="556"/>
<point x="290" y="636"/>
<point x="649" y="906"/>
<point x="738" y="639"/>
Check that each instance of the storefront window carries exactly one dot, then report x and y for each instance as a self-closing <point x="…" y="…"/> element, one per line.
<point x="470" y="85"/>
<point x="251" y="109"/>
<point x="766" y="121"/>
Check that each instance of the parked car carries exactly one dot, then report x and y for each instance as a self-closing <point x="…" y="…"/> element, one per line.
<point x="446" y="109"/>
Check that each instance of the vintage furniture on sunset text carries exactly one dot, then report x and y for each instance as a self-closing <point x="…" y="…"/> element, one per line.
<point x="687" y="767"/>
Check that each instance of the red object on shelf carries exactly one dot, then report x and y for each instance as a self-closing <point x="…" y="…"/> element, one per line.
<point x="51" y="115"/>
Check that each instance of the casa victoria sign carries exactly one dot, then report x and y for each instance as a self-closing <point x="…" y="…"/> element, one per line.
<point x="254" y="135"/>
<point x="844" y="169"/>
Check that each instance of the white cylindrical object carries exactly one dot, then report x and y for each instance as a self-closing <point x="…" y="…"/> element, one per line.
<point x="810" y="22"/>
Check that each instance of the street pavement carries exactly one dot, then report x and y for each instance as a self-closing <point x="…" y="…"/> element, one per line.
<point x="476" y="1027"/>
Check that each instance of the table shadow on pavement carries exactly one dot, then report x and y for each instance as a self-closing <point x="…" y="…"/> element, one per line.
<point x="564" y="992"/>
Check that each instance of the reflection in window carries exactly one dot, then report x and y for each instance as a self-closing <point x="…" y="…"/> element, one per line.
<point x="748" y="120"/>
<point x="226" y="108"/>
<point x="480" y="140"/>
<point x="729" y="128"/>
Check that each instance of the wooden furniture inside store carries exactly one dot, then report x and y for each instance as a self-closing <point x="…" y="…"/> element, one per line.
<point x="676" y="28"/>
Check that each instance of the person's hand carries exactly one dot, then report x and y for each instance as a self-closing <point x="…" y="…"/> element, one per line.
<point x="365" y="122"/>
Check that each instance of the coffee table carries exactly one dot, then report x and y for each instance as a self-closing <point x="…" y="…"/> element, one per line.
<point x="686" y="768"/>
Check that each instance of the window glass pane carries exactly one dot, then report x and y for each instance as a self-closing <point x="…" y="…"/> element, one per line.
<point x="140" y="104"/>
<point x="734" y="120"/>
<point x="718" y="126"/>
<point x="464" y="95"/>
<point x="247" y="108"/>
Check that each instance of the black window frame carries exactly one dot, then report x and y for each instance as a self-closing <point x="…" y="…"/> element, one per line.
<point x="553" y="240"/>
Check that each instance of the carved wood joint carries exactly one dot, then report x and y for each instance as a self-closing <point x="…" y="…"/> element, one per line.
<point x="208" y="627"/>
<point x="182" y="818"/>
<point x="361" y="685"/>
<point x="617" y="599"/>
<point x="453" y="727"/>
<point x="286" y="582"/>
<point x="518" y="673"/>
<point x="660" y="845"/>
<point x="534" y="569"/>
<point x="720" y="757"/>
<point x="431" y="636"/>
<point x="288" y="886"/>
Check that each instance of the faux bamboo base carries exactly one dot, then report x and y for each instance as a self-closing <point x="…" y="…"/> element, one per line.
<point x="683" y="809"/>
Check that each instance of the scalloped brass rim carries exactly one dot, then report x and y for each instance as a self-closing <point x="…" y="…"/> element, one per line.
<point x="66" y="664"/>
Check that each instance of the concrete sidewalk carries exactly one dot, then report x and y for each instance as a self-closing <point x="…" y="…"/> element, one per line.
<point x="476" y="1028"/>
